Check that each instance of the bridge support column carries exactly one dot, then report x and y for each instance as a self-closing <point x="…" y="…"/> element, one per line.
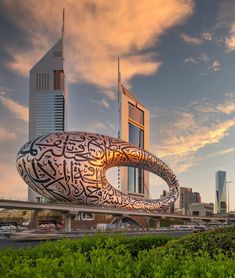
<point x="34" y="220"/>
<point x="157" y="223"/>
<point x="67" y="223"/>
<point x="119" y="223"/>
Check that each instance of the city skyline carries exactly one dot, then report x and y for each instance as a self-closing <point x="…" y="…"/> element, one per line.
<point x="176" y="57"/>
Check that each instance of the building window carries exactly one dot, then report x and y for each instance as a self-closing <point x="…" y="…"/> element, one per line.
<point x="58" y="80"/>
<point x="59" y="111"/>
<point x="42" y="81"/>
<point x="136" y="176"/>
<point x="85" y="216"/>
<point x="135" y="114"/>
<point x="136" y="135"/>
<point x="131" y="179"/>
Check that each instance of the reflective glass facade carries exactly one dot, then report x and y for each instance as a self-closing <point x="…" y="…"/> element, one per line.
<point x="134" y="128"/>
<point x="135" y="114"/>
<point x="221" y="192"/>
<point x="136" y="176"/>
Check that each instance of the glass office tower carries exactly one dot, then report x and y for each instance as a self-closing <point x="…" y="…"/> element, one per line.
<point x="136" y="137"/>
<point x="47" y="97"/>
<point x="221" y="192"/>
<point x="134" y="128"/>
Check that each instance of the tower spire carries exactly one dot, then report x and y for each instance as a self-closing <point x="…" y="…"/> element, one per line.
<point x="119" y="97"/>
<point x="62" y="33"/>
<point x="119" y="73"/>
<point x="119" y="80"/>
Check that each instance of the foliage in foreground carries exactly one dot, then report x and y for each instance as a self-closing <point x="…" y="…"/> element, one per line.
<point x="211" y="242"/>
<point x="208" y="254"/>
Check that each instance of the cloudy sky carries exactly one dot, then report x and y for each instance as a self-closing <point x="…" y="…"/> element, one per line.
<point x="177" y="57"/>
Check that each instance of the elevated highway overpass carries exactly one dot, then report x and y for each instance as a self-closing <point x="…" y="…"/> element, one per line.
<point x="71" y="209"/>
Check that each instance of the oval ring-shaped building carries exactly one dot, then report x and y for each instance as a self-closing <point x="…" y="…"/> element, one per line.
<point x="71" y="167"/>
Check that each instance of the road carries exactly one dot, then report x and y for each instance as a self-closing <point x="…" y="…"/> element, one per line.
<point x="36" y="240"/>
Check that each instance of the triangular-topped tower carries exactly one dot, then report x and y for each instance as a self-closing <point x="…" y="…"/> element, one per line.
<point x="47" y="96"/>
<point x="133" y="128"/>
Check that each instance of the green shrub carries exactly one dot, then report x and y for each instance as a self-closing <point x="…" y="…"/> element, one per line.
<point x="207" y="254"/>
<point x="138" y="243"/>
<point x="156" y="263"/>
<point x="211" y="242"/>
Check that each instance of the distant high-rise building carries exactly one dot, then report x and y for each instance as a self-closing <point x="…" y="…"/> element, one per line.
<point x="184" y="198"/>
<point x="195" y="197"/>
<point x="134" y="128"/>
<point x="47" y="96"/>
<point x="221" y="192"/>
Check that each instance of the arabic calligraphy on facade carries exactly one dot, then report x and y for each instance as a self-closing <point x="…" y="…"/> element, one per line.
<point x="71" y="167"/>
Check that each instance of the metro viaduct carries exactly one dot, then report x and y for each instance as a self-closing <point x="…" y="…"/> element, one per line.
<point x="70" y="209"/>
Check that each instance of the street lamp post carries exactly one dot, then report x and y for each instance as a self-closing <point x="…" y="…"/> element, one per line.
<point x="228" y="219"/>
<point x="228" y="182"/>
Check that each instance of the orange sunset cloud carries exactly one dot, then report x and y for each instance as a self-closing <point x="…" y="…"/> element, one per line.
<point x="97" y="32"/>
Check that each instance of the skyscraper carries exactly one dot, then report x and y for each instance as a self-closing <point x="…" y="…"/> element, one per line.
<point x="195" y="198"/>
<point x="185" y="196"/>
<point x="221" y="192"/>
<point x="134" y="128"/>
<point x="47" y="96"/>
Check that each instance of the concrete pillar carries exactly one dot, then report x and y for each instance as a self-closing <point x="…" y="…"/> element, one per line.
<point x="157" y="223"/>
<point x="34" y="220"/>
<point x="119" y="222"/>
<point x="67" y="223"/>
